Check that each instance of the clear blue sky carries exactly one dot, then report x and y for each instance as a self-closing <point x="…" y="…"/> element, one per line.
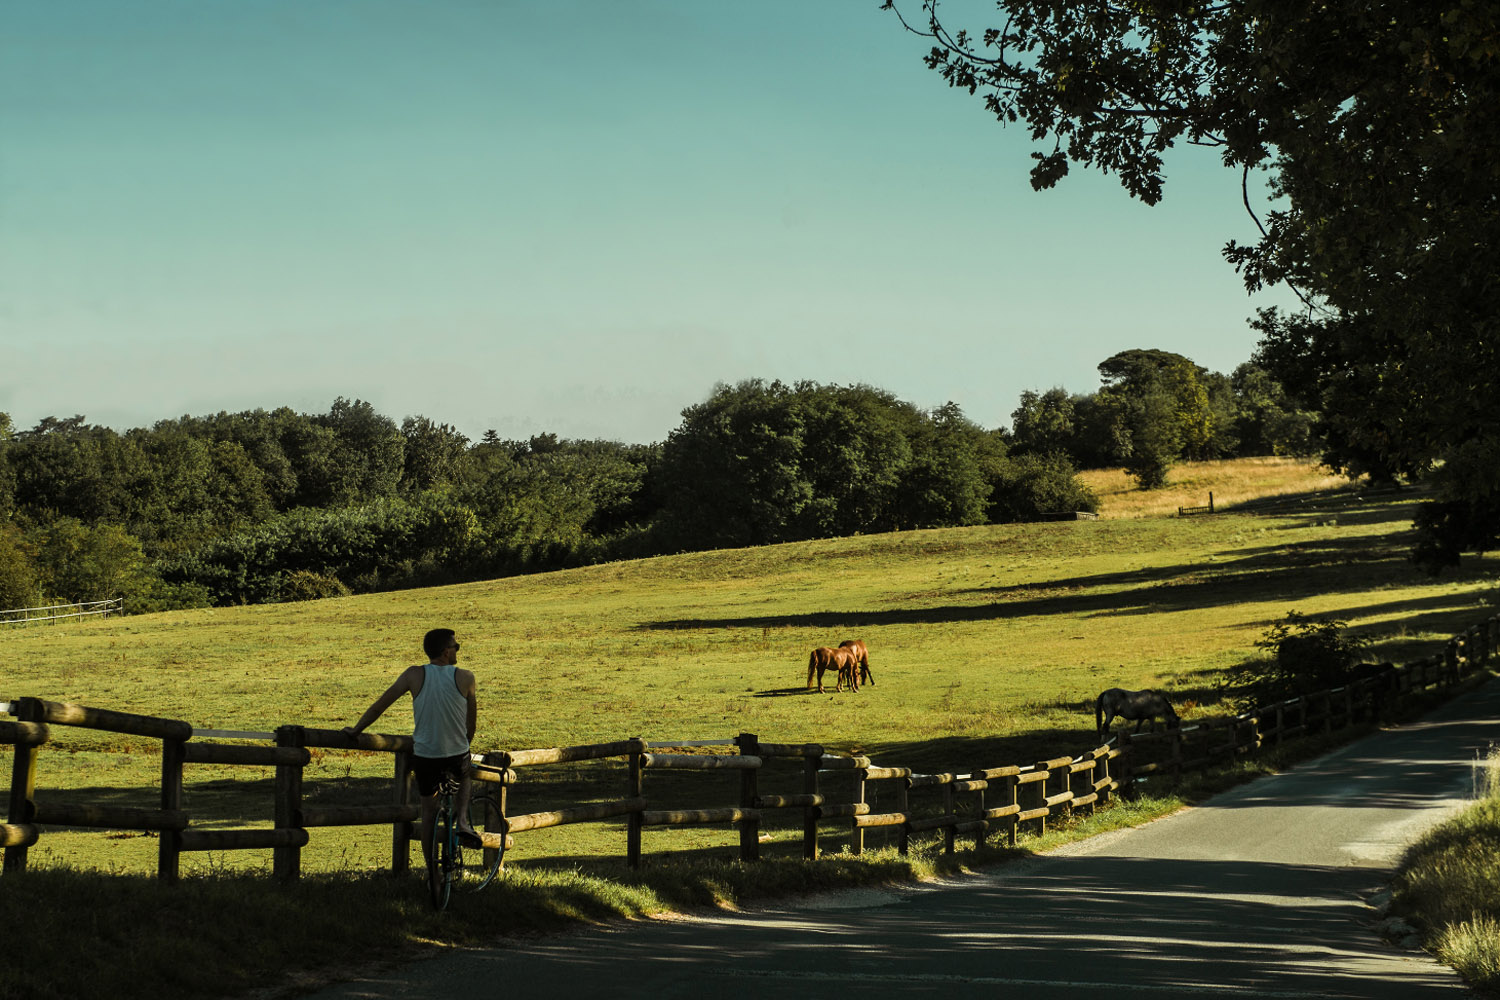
<point x="572" y="216"/>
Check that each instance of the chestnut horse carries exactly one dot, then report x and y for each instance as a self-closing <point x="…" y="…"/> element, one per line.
<point x="841" y="660"/>
<point x="862" y="657"/>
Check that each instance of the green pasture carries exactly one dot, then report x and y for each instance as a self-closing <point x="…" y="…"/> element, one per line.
<point x="986" y="643"/>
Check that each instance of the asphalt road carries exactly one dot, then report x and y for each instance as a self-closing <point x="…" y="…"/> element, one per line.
<point x="1260" y="892"/>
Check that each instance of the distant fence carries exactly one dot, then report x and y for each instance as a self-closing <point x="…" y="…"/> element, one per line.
<point x="1185" y="511"/>
<point x="978" y="803"/>
<point x="61" y="612"/>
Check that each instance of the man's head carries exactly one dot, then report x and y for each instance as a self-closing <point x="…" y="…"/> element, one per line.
<point x="437" y="642"/>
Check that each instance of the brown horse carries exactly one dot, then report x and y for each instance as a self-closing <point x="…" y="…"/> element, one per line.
<point x="862" y="657"/>
<point x="840" y="660"/>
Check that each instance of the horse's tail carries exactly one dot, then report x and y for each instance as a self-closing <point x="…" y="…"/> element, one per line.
<point x="812" y="664"/>
<point x="1099" y="716"/>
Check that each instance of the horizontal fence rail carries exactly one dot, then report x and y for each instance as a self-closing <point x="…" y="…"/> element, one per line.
<point x="62" y="612"/>
<point x="819" y="785"/>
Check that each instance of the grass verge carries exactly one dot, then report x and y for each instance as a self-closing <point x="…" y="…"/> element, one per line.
<point x="1449" y="884"/>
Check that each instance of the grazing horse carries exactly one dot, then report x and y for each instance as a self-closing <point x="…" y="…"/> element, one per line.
<point x="1133" y="705"/>
<point x="862" y="657"/>
<point x="840" y="660"/>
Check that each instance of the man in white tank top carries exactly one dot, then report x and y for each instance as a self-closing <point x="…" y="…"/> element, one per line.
<point x="445" y="711"/>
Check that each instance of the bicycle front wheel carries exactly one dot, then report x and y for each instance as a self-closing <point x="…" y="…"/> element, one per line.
<point x="478" y="865"/>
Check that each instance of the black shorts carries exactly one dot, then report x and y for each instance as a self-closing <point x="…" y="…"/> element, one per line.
<point x="430" y="771"/>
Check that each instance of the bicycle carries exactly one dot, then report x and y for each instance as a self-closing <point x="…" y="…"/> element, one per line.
<point x="451" y="863"/>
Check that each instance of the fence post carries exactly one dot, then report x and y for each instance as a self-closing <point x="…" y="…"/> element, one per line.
<point x="401" y="831"/>
<point x="1125" y="771"/>
<point x="633" y="790"/>
<point x="749" y="745"/>
<point x="1012" y="785"/>
<point x="286" y="862"/>
<point x="984" y="829"/>
<point x="22" y="782"/>
<point x="857" y="832"/>
<point x="811" y="763"/>
<point x="903" y="803"/>
<point x="950" y="805"/>
<point x="169" y="842"/>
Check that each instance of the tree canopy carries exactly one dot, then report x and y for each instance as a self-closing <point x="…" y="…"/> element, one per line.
<point x="1375" y="127"/>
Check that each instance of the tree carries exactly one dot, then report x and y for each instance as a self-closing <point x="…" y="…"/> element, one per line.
<point x="1159" y="408"/>
<point x="1267" y="420"/>
<point x="18" y="583"/>
<point x="434" y="454"/>
<point x="367" y="455"/>
<point x="1028" y="485"/>
<point x="1043" y="423"/>
<point x="7" y="475"/>
<point x="80" y="562"/>
<point x="1374" y="126"/>
<point x="948" y="481"/>
<point x="763" y="462"/>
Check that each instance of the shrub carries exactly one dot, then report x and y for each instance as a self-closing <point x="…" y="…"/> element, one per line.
<point x="1028" y="485"/>
<point x="1306" y="654"/>
<point x="305" y="585"/>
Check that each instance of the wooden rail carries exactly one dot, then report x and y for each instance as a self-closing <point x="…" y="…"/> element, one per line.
<point x="978" y="803"/>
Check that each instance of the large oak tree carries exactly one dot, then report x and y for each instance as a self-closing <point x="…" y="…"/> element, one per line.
<point x="1375" y="127"/>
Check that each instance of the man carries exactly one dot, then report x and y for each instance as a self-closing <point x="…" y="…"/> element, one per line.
<point x="445" y="709"/>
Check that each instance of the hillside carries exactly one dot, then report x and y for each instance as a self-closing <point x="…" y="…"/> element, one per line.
<point x="986" y="643"/>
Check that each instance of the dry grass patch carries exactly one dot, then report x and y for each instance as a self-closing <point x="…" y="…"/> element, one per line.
<point x="1189" y="484"/>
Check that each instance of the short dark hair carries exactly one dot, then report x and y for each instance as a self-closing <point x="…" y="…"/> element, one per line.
<point x="434" y="642"/>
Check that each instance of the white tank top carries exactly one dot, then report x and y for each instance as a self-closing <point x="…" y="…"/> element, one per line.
<point x="442" y="715"/>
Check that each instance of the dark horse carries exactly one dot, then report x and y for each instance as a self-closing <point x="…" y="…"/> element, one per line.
<point x="861" y="657"/>
<point x="1133" y="705"/>
<point x="841" y="660"/>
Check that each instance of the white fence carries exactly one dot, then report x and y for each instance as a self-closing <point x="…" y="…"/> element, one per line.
<point x="61" y="612"/>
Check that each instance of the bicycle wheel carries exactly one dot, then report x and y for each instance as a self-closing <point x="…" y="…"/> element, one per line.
<point x="444" y="843"/>
<point x="479" y="865"/>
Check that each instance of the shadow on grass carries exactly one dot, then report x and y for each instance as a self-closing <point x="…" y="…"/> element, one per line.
<point x="1292" y="573"/>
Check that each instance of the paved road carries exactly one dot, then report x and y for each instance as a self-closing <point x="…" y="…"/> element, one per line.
<point x="1257" y="893"/>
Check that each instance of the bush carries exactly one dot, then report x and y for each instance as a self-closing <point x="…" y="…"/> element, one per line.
<point x="1306" y="654"/>
<point x="305" y="585"/>
<point x="1028" y="485"/>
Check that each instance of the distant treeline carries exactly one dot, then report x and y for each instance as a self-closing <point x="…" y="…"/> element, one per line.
<point x="263" y="506"/>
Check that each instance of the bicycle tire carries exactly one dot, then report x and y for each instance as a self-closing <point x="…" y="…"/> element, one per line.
<point x="480" y="865"/>
<point x="444" y="842"/>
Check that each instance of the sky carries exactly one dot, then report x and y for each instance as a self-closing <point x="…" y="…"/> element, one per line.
<point x="565" y="216"/>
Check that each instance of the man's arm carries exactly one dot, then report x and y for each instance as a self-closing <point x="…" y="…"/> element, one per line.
<point x="401" y="685"/>
<point x="469" y="687"/>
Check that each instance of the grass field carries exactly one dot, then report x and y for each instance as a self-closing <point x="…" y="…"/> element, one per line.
<point x="986" y="643"/>
<point x="1231" y="482"/>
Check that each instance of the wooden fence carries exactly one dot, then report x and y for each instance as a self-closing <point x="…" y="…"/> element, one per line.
<point x="1185" y="511"/>
<point x="997" y="800"/>
<point x="63" y="612"/>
